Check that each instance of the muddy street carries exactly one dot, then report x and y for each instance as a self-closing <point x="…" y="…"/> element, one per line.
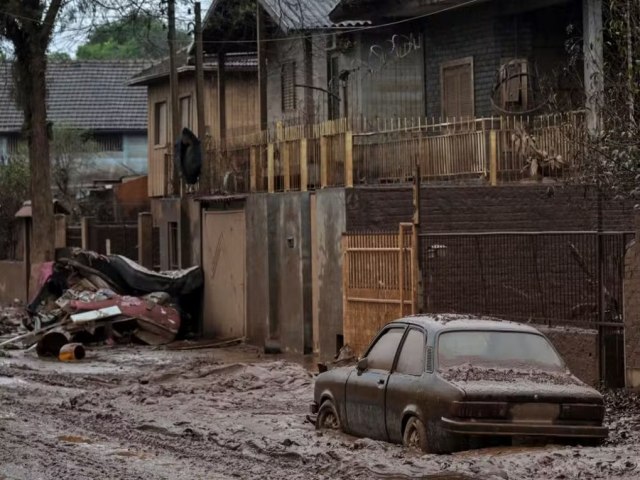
<point x="142" y="413"/>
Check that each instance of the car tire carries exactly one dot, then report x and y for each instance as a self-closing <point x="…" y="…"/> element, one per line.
<point x="415" y="435"/>
<point x="328" y="418"/>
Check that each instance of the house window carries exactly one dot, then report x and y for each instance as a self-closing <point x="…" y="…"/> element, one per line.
<point x="456" y="79"/>
<point x="185" y="113"/>
<point x="288" y="80"/>
<point x="173" y="246"/>
<point x="514" y="84"/>
<point x="160" y="123"/>
<point x="109" y="143"/>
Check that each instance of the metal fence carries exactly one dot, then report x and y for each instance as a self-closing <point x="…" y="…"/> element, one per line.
<point x="548" y="278"/>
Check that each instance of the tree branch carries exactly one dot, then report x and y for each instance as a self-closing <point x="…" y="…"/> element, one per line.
<point x="49" y="22"/>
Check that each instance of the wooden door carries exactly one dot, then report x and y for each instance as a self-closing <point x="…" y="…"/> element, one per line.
<point x="223" y="262"/>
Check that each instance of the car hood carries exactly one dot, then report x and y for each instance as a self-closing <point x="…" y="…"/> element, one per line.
<point x="520" y="385"/>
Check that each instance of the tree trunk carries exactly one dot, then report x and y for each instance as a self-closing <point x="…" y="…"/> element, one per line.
<point x="36" y="121"/>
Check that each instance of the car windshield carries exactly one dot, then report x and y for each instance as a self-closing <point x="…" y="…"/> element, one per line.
<point x="495" y="349"/>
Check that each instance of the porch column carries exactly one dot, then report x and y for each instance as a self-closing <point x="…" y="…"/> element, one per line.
<point x="593" y="62"/>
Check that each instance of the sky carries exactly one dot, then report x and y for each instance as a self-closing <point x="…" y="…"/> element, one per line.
<point x="68" y="40"/>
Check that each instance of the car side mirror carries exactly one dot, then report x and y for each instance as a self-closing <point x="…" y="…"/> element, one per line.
<point x="362" y="365"/>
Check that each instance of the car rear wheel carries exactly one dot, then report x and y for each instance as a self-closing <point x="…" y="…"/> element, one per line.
<point x="328" y="418"/>
<point x="415" y="435"/>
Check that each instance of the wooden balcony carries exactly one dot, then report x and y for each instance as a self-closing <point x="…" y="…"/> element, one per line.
<point x="377" y="152"/>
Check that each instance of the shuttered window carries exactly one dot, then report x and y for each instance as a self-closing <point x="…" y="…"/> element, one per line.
<point x="457" y="88"/>
<point x="288" y="80"/>
<point x="514" y="84"/>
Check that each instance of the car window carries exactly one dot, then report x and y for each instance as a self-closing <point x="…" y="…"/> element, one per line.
<point x="411" y="359"/>
<point x="495" y="349"/>
<point x="382" y="353"/>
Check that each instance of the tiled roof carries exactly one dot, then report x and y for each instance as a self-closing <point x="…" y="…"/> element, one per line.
<point x="92" y="95"/>
<point x="233" y="62"/>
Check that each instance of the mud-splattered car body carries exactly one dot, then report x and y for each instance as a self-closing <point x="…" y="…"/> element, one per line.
<point x="450" y="378"/>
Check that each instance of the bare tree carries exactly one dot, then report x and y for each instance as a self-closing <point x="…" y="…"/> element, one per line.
<point x="28" y="26"/>
<point x="611" y="156"/>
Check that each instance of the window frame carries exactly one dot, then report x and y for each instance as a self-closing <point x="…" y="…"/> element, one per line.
<point x="157" y="141"/>
<point x="459" y="62"/>
<point x="173" y="244"/>
<point x="436" y="345"/>
<point x="189" y="113"/>
<point x="403" y="328"/>
<point x="283" y="99"/>
<point x="401" y="346"/>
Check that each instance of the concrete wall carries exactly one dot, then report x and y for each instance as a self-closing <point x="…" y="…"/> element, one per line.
<point x="257" y="278"/>
<point x="631" y="293"/>
<point x="13" y="284"/>
<point x="579" y="349"/>
<point x="290" y="271"/>
<point x="330" y="223"/>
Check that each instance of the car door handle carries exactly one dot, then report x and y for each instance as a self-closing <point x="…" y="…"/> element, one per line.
<point x="381" y="381"/>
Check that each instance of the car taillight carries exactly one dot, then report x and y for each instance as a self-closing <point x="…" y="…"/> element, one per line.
<point x="581" y="411"/>
<point x="479" y="409"/>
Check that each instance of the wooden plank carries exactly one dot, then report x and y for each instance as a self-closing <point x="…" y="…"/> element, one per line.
<point x="286" y="165"/>
<point x="324" y="160"/>
<point x="493" y="158"/>
<point x="271" y="168"/>
<point x="401" y="268"/>
<point x="346" y="314"/>
<point x="348" y="159"/>
<point x="253" y="169"/>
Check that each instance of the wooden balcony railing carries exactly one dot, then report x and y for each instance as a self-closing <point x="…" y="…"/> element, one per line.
<point x="341" y="153"/>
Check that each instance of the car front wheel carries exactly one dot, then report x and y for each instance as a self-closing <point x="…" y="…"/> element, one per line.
<point x="415" y="435"/>
<point x="328" y="418"/>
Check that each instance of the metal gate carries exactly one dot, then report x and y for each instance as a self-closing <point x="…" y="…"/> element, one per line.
<point x="380" y="282"/>
<point x="548" y="278"/>
<point x="556" y="279"/>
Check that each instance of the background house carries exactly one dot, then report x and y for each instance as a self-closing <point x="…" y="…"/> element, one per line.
<point x="92" y="96"/>
<point x="456" y="59"/>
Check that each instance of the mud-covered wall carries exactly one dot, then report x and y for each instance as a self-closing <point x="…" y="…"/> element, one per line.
<point x="13" y="284"/>
<point x="579" y="349"/>
<point x="257" y="279"/>
<point x="329" y="225"/>
<point x="289" y="235"/>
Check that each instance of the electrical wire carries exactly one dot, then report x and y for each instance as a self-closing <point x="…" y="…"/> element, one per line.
<point x="336" y="30"/>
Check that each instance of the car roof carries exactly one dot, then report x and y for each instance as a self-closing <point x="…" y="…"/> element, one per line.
<point x="443" y="322"/>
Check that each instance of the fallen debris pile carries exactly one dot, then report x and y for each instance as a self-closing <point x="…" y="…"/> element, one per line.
<point x="86" y="298"/>
<point x="623" y="414"/>
<point x="11" y="319"/>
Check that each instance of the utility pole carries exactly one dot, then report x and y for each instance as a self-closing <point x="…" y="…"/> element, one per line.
<point x="205" y="175"/>
<point x="418" y="293"/>
<point x="173" y="82"/>
<point x="262" y="66"/>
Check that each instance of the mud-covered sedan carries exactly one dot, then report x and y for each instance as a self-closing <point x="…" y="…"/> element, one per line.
<point x="435" y="382"/>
